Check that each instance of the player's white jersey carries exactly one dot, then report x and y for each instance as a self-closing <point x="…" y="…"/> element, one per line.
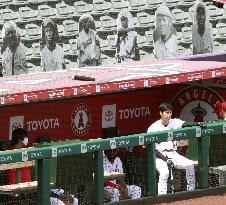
<point x="158" y="126"/>
<point x="115" y="167"/>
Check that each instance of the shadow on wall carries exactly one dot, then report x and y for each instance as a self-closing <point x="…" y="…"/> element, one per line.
<point x="219" y="57"/>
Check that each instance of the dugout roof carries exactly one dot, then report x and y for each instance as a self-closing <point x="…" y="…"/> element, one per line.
<point x="116" y="77"/>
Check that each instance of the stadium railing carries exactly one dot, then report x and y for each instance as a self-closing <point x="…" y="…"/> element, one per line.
<point x="47" y="154"/>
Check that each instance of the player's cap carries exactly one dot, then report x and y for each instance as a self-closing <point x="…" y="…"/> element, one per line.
<point x="220" y="106"/>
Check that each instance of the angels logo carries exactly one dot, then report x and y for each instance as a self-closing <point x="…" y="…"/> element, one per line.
<point x="196" y="104"/>
<point x="14" y="123"/>
<point x="81" y="120"/>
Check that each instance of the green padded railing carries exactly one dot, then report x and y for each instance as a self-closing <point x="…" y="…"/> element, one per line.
<point x="44" y="154"/>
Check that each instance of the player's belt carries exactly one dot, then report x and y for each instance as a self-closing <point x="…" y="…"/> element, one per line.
<point x="168" y="150"/>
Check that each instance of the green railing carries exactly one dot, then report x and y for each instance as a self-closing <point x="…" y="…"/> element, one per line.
<point x="43" y="156"/>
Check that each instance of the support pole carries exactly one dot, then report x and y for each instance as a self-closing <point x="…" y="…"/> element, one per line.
<point x="98" y="178"/>
<point x="43" y="182"/>
<point x="151" y="178"/>
<point x="203" y="160"/>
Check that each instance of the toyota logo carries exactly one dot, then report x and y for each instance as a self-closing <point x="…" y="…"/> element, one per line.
<point x="108" y="116"/>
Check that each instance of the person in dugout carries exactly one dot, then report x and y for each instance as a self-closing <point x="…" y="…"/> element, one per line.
<point x="117" y="189"/>
<point x="19" y="140"/>
<point x="220" y="110"/>
<point x="60" y="197"/>
<point x="166" y="151"/>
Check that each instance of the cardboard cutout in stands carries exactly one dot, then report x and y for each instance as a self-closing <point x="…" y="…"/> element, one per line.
<point x="13" y="51"/>
<point x="202" y="35"/>
<point x="88" y="42"/>
<point x="52" y="54"/>
<point x="165" y="39"/>
<point x="126" y="45"/>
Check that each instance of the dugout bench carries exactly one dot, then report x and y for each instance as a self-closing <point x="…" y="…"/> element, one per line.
<point x="21" y="193"/>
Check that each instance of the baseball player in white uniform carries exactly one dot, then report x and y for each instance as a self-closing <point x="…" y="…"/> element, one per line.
<point x="168" y="149"/>
<point x="117" y="189"/>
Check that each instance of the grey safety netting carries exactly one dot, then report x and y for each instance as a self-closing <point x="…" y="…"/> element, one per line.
<point x="18" y="194"/>
<point x="75" y="176"/>
<point x="217" y="160"/>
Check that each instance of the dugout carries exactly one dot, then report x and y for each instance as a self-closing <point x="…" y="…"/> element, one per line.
<point x="81" y="104"/>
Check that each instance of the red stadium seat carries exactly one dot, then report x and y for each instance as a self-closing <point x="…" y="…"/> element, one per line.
<point x="98" y="26"/>
<point x="64" y="11"/>
<point x="108" y="23"/>
<point x="29" y="53"/>
<point x="136" y="6"/>
<point x="149" y="37"/>
<point x="82" y="7"/>
<point x="215" y="13"/>
<point x="111" y="41"/>
<point x="28" y="15"/>
<point x="52" y="2"/>
<point x="187" y="36"/>
<point x="10" y="15"/>
<point x="137" y="23"/>
<point x="153" y="4"/>
<point x="187" y="3"/>
<point x="142" y="41"/>
<point x="46" y="11"/>
<point x="101" y="7"/>
<point x="33" y="33"/>
<point x="70" y="28"/>
<point x="172" y="3"/>
<point x="107" y="60"/>
<point x="146" y="55"/>
<point x="184" y="51"/>
<point x="18" y="3"/>
<point x="119" y="5"/>
<point x="73" y="46"/>
<point x="221" y="28"/>
<point x="36" y="50"/>
<point x="146" y="20"/>
<point x="181" y="18"/>
<point x="67" y="50"/>
<point x="4" y="3"/>
<point x="35" y="2"/>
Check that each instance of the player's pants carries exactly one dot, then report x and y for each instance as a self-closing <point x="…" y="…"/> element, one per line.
<point x="134" y="192"/>
<point x="179" y="162"/>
